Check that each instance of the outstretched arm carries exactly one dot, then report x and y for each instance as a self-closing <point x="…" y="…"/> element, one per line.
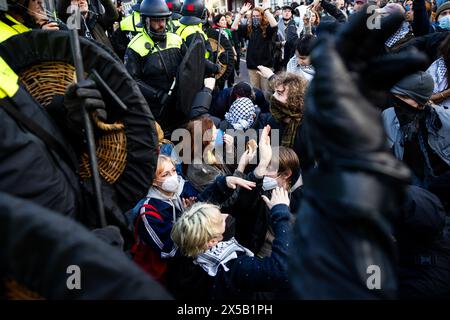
<point x="344" y="224"/>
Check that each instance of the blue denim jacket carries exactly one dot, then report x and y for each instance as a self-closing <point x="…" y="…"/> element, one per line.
<point x="438" y="126"/>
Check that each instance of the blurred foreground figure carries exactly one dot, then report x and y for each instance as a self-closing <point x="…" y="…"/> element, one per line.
<point x="342" y="246"/>
<point x="46" y="255"/>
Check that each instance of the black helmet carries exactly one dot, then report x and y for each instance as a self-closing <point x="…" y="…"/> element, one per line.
<point x="154" y="9"/>
<point x="175" y="7"/>
<point x="193" y="12"/>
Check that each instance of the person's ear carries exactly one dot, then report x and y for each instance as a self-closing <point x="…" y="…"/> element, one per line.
<point x="212" y="242"/>
<point x="287" y="175"/>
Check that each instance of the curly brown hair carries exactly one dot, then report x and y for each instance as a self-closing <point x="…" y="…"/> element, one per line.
<point x="264" y="22"/>
<point x="297" y="88"/>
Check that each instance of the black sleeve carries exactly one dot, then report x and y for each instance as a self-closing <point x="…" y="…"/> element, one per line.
<point x="334" y="11"/>
<point x="270" y="273"/>
<point x="217" y="192"/>
<point x="429" y="44"/>
<point x="421" y="23"/>
<point x="110" y="15"/>
<point x="201" y="103"/>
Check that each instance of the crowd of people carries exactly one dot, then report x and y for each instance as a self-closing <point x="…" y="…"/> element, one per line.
<point x="332" y="161"/>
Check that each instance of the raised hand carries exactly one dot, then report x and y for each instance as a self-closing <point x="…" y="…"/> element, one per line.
<point x="361" y="47"/>
<point x="279" y="196"/>
<point x="234" y="182"/>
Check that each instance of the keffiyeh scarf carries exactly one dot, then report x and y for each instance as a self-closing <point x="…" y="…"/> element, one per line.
<point x="219" y="255"/>
<point x="241" y="114"/>
<point x="400" y="34"/>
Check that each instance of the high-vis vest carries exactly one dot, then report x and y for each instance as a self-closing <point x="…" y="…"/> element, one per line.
<point x="10" y="27"/>
<point x="174" y="25"/>
<point x="8" y="80"/>
<point x="144" y="45"/>
<point x="130" y="22"/>
<point x="185" y="31"/>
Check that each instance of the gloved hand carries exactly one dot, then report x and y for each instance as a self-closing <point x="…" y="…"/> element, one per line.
<point x="364" y="55"/>
<point x="341" y="124"/>
<point x="83" y="93"/>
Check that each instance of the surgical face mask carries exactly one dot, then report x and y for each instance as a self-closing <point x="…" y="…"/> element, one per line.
<point x="444" y="22"/>
<point x="269" y="183"/>
<point x="256" y="22"/>
<point x="171" y="184"/>
<point x="297" y="20"/>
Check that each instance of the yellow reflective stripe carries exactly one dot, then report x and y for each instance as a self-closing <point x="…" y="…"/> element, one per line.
<point x="127" y="23"/>
<point x="185" y="31"/>
<point x="188" y="30"/>
<point x="138" y="43"/>
<point x="8" y="80"/>
<point x="7" y="31"/>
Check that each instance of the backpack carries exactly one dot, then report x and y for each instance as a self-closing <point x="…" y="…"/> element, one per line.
<point x="143" y="255"/>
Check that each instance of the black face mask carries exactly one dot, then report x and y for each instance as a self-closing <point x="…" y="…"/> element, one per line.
<point x="406" y="113"/>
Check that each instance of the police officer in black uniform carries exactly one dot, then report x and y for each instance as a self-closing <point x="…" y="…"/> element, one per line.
<point x="152" y="59"/>
<point x="191" y="24"/>
<point x="128" y="29"/>
<point x="175" y="7"/>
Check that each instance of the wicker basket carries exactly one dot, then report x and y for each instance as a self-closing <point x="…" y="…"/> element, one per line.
<point x="47" y="79"/>
<point x="15" y="291"/>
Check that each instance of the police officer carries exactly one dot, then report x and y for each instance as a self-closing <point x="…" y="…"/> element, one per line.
<point x="129" y="28"/>
<point x="191" y="23"/>
<point x="152" y="59"/>
<point x="8" y="25"/>
<point x="175" y="7"/>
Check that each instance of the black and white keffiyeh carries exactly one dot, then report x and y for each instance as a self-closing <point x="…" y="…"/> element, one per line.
<point x="241" y="114"/>
<point x="219" y="255"/>
<point x="441" y="70"/>
<point x="400" y="34"/>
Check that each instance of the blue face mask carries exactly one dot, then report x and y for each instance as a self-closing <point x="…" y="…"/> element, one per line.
<point x="219" y="138"/>
<point x="297" y="20"/>
<point x="256" y="22"/>
<point x="269" y="183"/>
<point x="444" y="22"/>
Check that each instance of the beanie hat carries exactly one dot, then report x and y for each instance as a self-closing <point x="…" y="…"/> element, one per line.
<point x="417" y="86"/>
<point x="442" y="7"/>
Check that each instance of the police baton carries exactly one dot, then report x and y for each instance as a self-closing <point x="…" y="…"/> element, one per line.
<point x="73" y="23"/>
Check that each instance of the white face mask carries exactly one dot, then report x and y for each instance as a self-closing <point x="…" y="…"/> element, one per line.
<point x="269" y="183"/>
<point x="171" y="184"/>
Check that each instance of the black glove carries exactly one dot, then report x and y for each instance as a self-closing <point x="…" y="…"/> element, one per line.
<point x="342" y="125"/>
<point x="364" y="54"/>
<point x="83" y="93"/>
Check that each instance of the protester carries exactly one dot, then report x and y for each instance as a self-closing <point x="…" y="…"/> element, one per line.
<point x="300" y="63"/>
<point x="261" y="33"/>
<point x="213" y="269"/>
<point x="418" y="132"/>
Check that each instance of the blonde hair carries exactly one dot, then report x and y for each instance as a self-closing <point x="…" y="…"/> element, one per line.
<point x="160" y="134"/>
<point x="162" y="158"/>
<point x="195" y="228"/>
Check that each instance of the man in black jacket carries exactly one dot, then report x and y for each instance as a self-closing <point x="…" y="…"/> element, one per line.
<point x="342" y="246"/>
